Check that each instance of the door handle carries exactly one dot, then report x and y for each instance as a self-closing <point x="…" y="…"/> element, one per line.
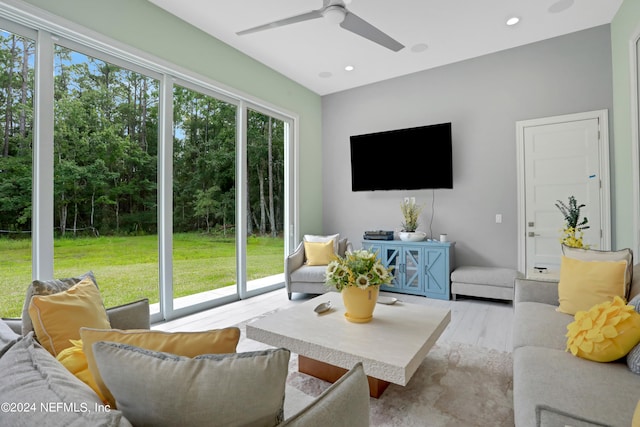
<point x="532" y="234"/>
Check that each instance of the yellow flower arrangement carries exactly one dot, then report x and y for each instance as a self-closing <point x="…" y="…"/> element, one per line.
<point x="360" y="268"/>
<point x="572" y="233"/>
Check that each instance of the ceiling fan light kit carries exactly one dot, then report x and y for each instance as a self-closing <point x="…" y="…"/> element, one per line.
<point x="335" y="11"/>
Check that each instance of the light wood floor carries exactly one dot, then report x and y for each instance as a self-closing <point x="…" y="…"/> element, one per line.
<point x="478" y="322"/>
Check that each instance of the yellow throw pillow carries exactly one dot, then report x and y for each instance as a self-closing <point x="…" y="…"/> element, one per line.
<point x="607" y="332"/>
<point x="635" y="422"/>
<point x="74" y="359"/>
<point x="188" y="344"/>
<point x="57" y="318"/>
<point x="319" y="253"/>
<point x="586" y="283"/>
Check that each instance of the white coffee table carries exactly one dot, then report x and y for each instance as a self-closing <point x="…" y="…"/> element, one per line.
<point x="391" y="346"/>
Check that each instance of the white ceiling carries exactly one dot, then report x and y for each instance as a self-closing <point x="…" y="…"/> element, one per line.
<point x="314" y="53"/>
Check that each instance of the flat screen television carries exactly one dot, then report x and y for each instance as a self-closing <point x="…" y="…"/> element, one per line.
<point x="403" y="159"/>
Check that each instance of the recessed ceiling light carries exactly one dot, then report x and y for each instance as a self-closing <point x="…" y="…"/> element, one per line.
<point x="420" y="47"/>
<point x="560" y="6"/>
<point x="325" y="74"/>
<point x="349" y="68"/>
<point x="513" y="20"/>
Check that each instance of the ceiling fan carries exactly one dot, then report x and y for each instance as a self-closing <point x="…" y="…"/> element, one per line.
<point x="336" y="11"/>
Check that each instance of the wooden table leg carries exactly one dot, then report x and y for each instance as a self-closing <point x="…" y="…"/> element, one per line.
<point x="332" y="373"/>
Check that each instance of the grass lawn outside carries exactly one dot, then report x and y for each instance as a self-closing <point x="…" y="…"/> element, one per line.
<point x="126" y="268"/>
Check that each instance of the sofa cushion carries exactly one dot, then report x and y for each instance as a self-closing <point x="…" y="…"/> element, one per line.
<point x="48" y="287"/>
<point x="540" y="325"/>
<point x="491" y="276"/>
<point x="607" y="332"/>
<point x="189" y="344"/>
<point x="31" y="377"/>
<point x="161" y="389"/>
<point x="584" y="284"/>
<point x="309" y="274"/>
<point x="7" y="337"/>
<point x="605" y="393"/>
<point x="344" y="404"/>
<point x="58" y="318"/>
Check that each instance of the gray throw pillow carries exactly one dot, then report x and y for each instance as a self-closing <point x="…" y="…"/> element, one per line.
<point x="47" y="287"/>
<point x="37" y="390"/>
<point x="161" y="389"/>
<point x="344" y="404"/>
<point x="633" y="357"/>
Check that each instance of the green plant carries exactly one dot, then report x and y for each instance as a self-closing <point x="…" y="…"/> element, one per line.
<point x="573" y="231"/>
<point x="410" y="214"/>
<point x="360" y="268"/>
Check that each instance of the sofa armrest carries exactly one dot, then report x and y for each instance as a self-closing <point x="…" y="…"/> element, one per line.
<point x="134" y="315"/>
<point x="536" y="291"/>
<point x="15" y="324"/>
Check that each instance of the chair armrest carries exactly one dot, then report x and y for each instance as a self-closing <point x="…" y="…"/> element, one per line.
<point x="536" y="291"/>
<point x="292" y="262"/>
<point x="349" y="247"/>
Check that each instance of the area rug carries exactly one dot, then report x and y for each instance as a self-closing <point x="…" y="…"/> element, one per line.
<point x="457" y="385"/>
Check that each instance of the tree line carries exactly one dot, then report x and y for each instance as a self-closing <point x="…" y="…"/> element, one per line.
<point x="106" y="151"/>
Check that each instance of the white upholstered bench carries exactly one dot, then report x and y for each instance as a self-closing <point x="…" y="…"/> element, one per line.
<point x="485" y="282"/>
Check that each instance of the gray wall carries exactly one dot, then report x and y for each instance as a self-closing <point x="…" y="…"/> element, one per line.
<point x="483" y="98"/>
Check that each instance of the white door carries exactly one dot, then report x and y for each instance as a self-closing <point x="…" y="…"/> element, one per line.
<point x="561" y="157"/>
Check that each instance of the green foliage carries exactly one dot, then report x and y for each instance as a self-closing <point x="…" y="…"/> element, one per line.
<point x="106" y="151"/>
<point x="127" y="267"/>
<point x="571" y="214"/>
<point x="360" y="268"/>
<point x="410" y="213"/>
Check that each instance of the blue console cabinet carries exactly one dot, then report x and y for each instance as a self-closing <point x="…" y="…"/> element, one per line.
<point x="420" y="268"/>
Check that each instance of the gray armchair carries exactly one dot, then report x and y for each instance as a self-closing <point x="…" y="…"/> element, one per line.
<point x="308" y="279"/>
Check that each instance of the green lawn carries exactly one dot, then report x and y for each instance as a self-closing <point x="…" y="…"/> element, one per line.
<point x="126" y="268"/>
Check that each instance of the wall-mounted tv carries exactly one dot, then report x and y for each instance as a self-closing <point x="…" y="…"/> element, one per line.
<point x="403" y="159"/>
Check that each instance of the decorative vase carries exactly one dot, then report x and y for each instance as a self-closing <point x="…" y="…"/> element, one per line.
<point x="412" y="236"/>
<point x="360" y="303"/>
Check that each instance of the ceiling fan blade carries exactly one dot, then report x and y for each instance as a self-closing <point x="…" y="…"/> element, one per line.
<point x="314" y="14"/>
<point x="359" y="26"/>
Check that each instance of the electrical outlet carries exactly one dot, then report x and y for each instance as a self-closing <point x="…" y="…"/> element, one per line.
<point x="498" y="218"/>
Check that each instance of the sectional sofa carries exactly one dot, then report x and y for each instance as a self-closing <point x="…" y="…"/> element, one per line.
<point x="552" y="387"/>
<point x="36" y="389"/>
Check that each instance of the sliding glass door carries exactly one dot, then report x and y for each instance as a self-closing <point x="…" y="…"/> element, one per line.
<point x="16" y="159"/>
<point x="161" y="183"/>
<point x="105" y="176"/>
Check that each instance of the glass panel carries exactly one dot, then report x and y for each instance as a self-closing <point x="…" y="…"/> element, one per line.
<point x="265" y="200"/>
<point x="105" y="176"/>
<point x="16" y="159"/>
<point x="204" y="194"/>
<point x="412" y="269"/>
<point x="392" y="258"/>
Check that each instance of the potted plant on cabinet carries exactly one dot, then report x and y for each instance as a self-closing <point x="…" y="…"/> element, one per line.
<point x="410" y="213"/>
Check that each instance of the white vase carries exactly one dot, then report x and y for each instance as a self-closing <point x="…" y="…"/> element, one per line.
<point x="412" y="236"/>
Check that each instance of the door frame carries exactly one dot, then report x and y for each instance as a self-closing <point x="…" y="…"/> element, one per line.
<point x="635" y="133"/>
<point x="605" y="185"/>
